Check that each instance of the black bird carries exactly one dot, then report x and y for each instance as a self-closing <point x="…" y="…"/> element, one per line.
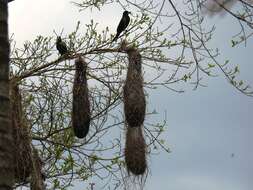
<point x="61" y="46"/>
<point x="122" y="24"/>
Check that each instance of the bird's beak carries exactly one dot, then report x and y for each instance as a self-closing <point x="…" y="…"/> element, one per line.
<point x="129" y="13"/>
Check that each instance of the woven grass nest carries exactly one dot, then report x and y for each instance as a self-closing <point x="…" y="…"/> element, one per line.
<point x="134" y="98"/>
<point x="80" y="106"/>
<point x="27" y="162"/>
<point x="22" y="141"/>
<point x="134" y="109"/>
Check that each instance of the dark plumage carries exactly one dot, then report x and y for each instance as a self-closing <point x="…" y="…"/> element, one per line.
<point x="122" y="24"/>
<point x="61" y="46"/>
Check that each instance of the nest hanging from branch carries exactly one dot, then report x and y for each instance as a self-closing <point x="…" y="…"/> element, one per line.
<point x="81" y="105"/>
<point x="134" y="109"/>
<point x="134" y="98"/>
<point x="22" y="141"/>
<point x="25" y="159"/>
<point x="135" y="151"/>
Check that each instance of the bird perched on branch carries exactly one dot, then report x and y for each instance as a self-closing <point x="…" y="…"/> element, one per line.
<point x="61" y="46"/>
<point x="122" y="24"/>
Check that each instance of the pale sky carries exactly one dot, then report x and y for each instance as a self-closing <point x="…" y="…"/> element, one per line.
<point x="205" y="127"/>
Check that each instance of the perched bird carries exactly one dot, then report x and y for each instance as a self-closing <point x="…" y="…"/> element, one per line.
<point x="122" y="24"/>
<point x="61" y="46"/>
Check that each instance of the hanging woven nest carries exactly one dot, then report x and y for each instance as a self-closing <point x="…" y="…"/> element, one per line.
<point x="81" y="105"/>
<point x="26" y="160"/>
<point x="134" y="109"/>
<point x="22" y="141"/>
<point x="135" y="151"/>
<point x="134" y="98"/>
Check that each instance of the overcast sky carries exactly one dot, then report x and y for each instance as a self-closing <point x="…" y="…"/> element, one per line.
<point x="205" y="127"/>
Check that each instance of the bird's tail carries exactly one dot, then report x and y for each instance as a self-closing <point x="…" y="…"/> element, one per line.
<point x="116" y="37"/>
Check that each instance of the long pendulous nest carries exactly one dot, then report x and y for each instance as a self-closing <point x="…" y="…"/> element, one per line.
<point x="81" y="105"/>
<point x="22" y="141"/>
<point x="134" y="98"/>
<point x="135" y="151"/>
<point x="134" y="108"/>
<point x="25" y="157"/>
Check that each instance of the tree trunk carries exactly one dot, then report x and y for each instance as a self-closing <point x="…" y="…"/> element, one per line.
<point x="6" y="142"/>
